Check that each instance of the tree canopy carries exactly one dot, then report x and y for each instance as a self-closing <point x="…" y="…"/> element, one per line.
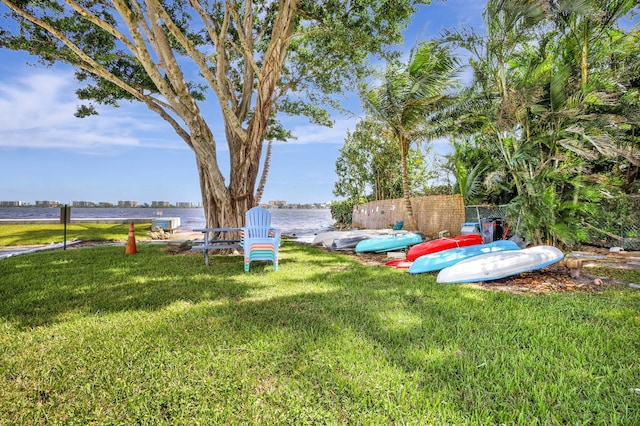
<point x="368" y="167"/>
<point x="256" y="58"/>
<point x="556" y="98"/>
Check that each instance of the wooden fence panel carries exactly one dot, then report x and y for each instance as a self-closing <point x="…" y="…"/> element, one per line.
<point x="433" y="214"/>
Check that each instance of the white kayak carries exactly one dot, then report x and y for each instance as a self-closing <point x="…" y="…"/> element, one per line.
<point x="493" y="266"/>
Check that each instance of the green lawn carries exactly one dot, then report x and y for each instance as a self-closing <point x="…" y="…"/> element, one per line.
<point x="94" y="336"/>
<point x="12" y="235"/>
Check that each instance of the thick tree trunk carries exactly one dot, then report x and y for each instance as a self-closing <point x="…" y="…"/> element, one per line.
<point x="246" y="154"/>
<point x="218" y="211"/>
<point x="226" y="205"/>
<point x="245" y="163"/>
<point x="221" y="209"/>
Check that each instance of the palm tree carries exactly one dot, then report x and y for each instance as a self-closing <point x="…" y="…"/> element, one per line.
<point x="405" y="100"/>
<point x="586" y="23"/>
<point x="469" y="165"/>
<point x="265" y="172"/>
<point x="275" y="131"/>
<point x="547" y="114"/>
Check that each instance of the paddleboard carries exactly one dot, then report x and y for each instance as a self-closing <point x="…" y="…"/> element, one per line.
<point x="348" y="243"/>
<point x="442" y="259"/>
<point x="493" y="266"/>
<point x="435" y="246"/>
<point x="329" y="236"/>
<point x="326" y="238"/>
<point x="382" y="244"/>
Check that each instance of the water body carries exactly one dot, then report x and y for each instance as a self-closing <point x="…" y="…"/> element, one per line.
<point x="293" y="222"/>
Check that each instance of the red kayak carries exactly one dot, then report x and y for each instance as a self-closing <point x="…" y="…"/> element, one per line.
<point x="399" y="263"/>
<point x="435" y="246"/>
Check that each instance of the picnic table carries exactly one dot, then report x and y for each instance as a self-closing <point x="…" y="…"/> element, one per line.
<point x="217" y="239"/>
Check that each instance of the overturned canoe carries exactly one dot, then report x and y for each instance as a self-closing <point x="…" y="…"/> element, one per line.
<point x="348" y="243"/>
<point x="493" y="266"/>
<point x="326" y="239"/>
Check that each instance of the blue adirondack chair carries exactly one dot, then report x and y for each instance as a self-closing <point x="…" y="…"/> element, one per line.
<point x="259" y="240"/>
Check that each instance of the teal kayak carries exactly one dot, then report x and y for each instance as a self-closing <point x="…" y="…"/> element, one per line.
<point x="393" y="242"/>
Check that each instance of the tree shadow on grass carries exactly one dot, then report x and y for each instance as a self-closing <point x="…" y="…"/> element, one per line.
<point x="360" y="340"/>
<point x="369" y="332"/>
<point x="39" y="288"/>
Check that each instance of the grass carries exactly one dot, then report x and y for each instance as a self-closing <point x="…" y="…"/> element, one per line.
<point x="94" y="336"/>
<point x="624" y="275"/>
<point x="12" y="235"/>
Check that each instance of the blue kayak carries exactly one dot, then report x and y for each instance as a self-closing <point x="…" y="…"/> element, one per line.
<point x="393" y="242"/>
<point x="442" y="259"/>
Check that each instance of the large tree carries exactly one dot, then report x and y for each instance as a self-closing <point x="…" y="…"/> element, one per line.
<point x="254" y="57"/>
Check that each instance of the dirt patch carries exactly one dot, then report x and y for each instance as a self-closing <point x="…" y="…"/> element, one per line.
<point x="83" y="244"/>
<point x="550" y="279"/>
<point x="371" y="259"/>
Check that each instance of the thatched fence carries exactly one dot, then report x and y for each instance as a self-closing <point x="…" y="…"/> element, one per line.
<point x="433" y="214"/>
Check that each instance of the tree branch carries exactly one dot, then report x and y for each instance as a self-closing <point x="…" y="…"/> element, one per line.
<point x="88" y="64"/>
<point x="219" y="83"/>
<point x="100" y="23"/>
<point x="168" y="59"/>
<point x="244" y="33"/>
<point x="141" y="51"/>
<point x="251" y="68"/>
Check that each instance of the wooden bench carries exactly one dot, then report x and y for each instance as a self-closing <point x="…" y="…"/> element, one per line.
<point x="216" y="239"/>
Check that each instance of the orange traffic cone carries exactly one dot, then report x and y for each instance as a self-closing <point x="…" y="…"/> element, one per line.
<point x="131" y="241"/>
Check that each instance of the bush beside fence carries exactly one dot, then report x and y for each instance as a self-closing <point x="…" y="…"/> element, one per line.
<point x="618" y="225"/>
<point x="615" y="224"/>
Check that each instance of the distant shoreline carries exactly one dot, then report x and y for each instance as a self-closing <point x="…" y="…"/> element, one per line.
<point x="312" y="206"/>
<point x="293" y="222"/>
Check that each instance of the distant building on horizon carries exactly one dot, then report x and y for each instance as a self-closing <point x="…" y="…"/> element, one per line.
<point x="47" y="203"/>
<point x="160" y="204"/>
<point x="83" y="204"/>
<point x="184" y="204"/>
<point x="277" y="203"/>
<point x="127" y="203"/>
<point x="12" y="204"/>
<point x="105" y="204"/>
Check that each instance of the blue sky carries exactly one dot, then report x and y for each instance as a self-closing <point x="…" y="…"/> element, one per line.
<point x="129" y="153"/>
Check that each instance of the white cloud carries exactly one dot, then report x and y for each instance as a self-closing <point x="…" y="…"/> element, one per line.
<point x="36" y="111"/>
<point x="32" y="102"/>
<point x="467" y="12"/>
<point x="312" y="133"/>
